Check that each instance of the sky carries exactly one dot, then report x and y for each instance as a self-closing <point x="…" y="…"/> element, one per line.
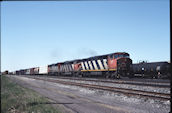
<point x="36" y="34"/>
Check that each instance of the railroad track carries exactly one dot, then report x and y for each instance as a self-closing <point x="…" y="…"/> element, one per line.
<point x="128" y="92"/>
<point x="125" y="82"/>
<point x="150" y="84"/>
<point x="123" y="79"/>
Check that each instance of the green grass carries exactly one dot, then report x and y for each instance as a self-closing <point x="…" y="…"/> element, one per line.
<point x="17" y="99"/>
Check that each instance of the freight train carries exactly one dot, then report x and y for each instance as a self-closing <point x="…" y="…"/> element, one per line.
<point x="112" y="65"/>
<point x="152" y="69"/>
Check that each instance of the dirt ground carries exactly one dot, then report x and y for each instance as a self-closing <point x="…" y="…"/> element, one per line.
<point x="71" y="99"/>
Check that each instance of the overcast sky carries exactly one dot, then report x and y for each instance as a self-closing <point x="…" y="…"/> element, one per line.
<point x="40" y="33"/>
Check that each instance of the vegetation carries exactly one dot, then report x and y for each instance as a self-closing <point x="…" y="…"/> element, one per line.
<point x="17" y="99"/>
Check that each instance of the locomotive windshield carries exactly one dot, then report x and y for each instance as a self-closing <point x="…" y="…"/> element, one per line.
<point x="121" y="55"/>
<point x="126" y="55"/>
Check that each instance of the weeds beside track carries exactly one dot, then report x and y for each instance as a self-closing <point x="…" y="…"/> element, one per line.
<point x="17" y="99"/>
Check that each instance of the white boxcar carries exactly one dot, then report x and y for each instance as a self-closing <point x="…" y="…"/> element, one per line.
<point x="27" y="71"/>
<point x="43" y="70"/>
<point x="14" y="72"/>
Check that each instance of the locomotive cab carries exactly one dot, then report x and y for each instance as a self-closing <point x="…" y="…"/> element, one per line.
<point x="77" y="68"/>
<point x="124" y="66"/>
<point x="120" y="64"/>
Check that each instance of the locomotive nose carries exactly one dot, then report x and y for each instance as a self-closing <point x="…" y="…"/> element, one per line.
<point x="123" y="64"/>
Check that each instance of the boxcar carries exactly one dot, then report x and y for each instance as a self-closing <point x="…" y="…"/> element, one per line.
<point x="43" y="70"/>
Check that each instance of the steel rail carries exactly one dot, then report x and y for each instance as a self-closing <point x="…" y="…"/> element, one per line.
<point x="154" y="95"/>
<point x="128" y="80"/>
<point x="124" y="82"/>
<point x="154" y="84"/>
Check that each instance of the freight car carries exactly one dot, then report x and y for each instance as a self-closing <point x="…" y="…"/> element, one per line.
<point x="36" y="70"/>
<point x="43" y="70"/>
<point x="53" y="69"/>
<point x="111" y="65"/>
<point x="32" y="71"/>
<point x="20" y="72"/>
<point x="152" y="69"/>
<point x="5" y="72"/>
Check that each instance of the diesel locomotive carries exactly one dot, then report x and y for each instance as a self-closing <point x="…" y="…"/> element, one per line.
<point x="111" y="65"/>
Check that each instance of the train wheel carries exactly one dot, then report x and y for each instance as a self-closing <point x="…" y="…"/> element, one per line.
<point x="131" y="76"/>
<point x="158" y="76"/>
<point x="107" y="76"/>
<point x="80" y="75"/>
<point x="116" y="75"/>
<point x="153" y="76"/>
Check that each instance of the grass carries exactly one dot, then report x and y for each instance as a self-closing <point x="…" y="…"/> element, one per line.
<point x="17" y="99"/>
